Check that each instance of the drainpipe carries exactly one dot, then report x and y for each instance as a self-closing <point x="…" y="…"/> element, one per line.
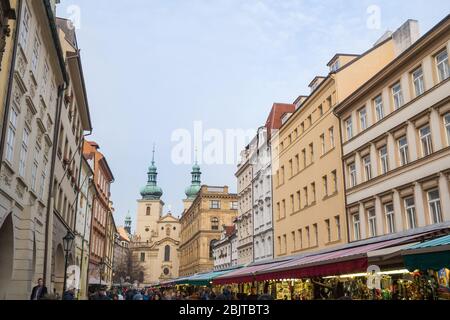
<point x="6" y="108"/>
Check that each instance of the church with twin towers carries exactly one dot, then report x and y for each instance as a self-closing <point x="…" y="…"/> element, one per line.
<point x="155" y="245"/>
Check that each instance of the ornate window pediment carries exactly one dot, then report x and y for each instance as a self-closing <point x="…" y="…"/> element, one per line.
<point x="6" y="13"/>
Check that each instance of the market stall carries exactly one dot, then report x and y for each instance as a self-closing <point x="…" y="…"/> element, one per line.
<point x="431" y="258"/>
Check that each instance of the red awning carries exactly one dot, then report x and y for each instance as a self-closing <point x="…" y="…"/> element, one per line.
<point x="244" y="275"/>
<point x="339" y="262"/>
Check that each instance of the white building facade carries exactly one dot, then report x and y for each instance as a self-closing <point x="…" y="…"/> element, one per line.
<point x="396" y="142"/>
<point x="262" y="197"/>
<point x="224" y="248"/>
<point x="244" y="221"/>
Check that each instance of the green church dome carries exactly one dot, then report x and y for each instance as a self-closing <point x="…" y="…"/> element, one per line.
<point x="192" y="191"/>
<point x="152" y="191"/>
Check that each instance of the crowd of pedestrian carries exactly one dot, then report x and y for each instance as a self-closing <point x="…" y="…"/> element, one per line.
<point x="150" y="294"/>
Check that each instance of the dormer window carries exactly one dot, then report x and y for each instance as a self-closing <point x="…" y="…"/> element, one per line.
<point x="335" y="66"/>
<point x="315" y="83"/>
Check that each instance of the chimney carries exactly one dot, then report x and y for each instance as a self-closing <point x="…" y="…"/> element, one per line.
<point x="405" y="36"/>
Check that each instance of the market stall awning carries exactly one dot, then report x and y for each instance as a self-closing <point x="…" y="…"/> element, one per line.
<point x="429" y="255"/>
<point x="205" y="279"/>
<point x="338" y="262"/>
<point x="244" y="275"/>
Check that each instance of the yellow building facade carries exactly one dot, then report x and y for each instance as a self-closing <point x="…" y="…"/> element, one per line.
<point x="201" y="227"/>
<point x="308" y="185"/>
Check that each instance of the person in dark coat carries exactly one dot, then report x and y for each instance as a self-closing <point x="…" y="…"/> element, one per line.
<point x="69" y="295"/>
<point x="40" y="291"/>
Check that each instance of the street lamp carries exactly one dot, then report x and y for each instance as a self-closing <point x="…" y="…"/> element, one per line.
<point x="68" y="243"/>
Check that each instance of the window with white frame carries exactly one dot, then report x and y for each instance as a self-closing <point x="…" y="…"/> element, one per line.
<point x="328" y="226"/>
<point x="390" y="217"/>
<point x="335" y="66"/>
<point x="337" y="221"/>
<point x="322" y="143"/>
<point x="356" y="227"/>
<point x="372" y="218"/>
<point x="45" y="79"/>
<point x="215" y="204"/>
<point x="42" y="182"/>
<point x="384" y="160"/>
<point x="325" y="185"/>
<point x="425" y="139"/>
<point x="349" y="128"/>
<point x="352" y="174"/>
<point x="35" y="167"/>
<point x="403" y="150"/>
<point x="397" y="95"/>
<point x="379" y="108"/>
<point x="23" y="152"/>
<point x="434" y="203"/>
<point x="442" y="65"/>
<point x="25" y="26"/>
<point x="367" y="167"/>
<point x="36" y="53"/>
<point x="417" y="77"/>
<point x="447" y="126"/>
<point x="410" y="209"/>
<point x="363" y="118"/>
<point x="331" y="133"/>
<point x="11" y="135"/>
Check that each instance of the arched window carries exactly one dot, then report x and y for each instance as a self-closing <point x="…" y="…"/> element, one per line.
<point x="167" y="253"/>
<point x="148" y="211"/>
<point x="215" y="223"/>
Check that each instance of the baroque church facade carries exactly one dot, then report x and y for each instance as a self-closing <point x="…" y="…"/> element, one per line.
<point x="155" y="245"/>
<point x="157" y="237"/>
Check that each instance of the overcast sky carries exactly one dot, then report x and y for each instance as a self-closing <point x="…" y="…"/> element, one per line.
<point x="155" y="66"/>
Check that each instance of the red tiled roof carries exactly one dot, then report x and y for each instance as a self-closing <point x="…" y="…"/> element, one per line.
<point x="229" y="230"/>
<point x="277" y="112"/>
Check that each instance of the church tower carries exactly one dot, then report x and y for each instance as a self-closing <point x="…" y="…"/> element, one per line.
<point x="196" y="184"/>
<point x="128" y="224"/>
<point x="150" y="207"/>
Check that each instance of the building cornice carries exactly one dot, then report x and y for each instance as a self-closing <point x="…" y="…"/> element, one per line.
<point x="410" y="54"/>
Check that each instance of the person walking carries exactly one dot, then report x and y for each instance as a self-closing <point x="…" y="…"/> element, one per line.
<point x="39" y="291"/>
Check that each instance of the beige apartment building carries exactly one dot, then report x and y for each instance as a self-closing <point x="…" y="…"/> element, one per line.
<point x="201" y="227"/>
<point x="396" y="142"/>
<point x="308" y="184"/>
<point x="244" y="220"/>
<point x="74" y="120"/>
<point x="29" y="113"/>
